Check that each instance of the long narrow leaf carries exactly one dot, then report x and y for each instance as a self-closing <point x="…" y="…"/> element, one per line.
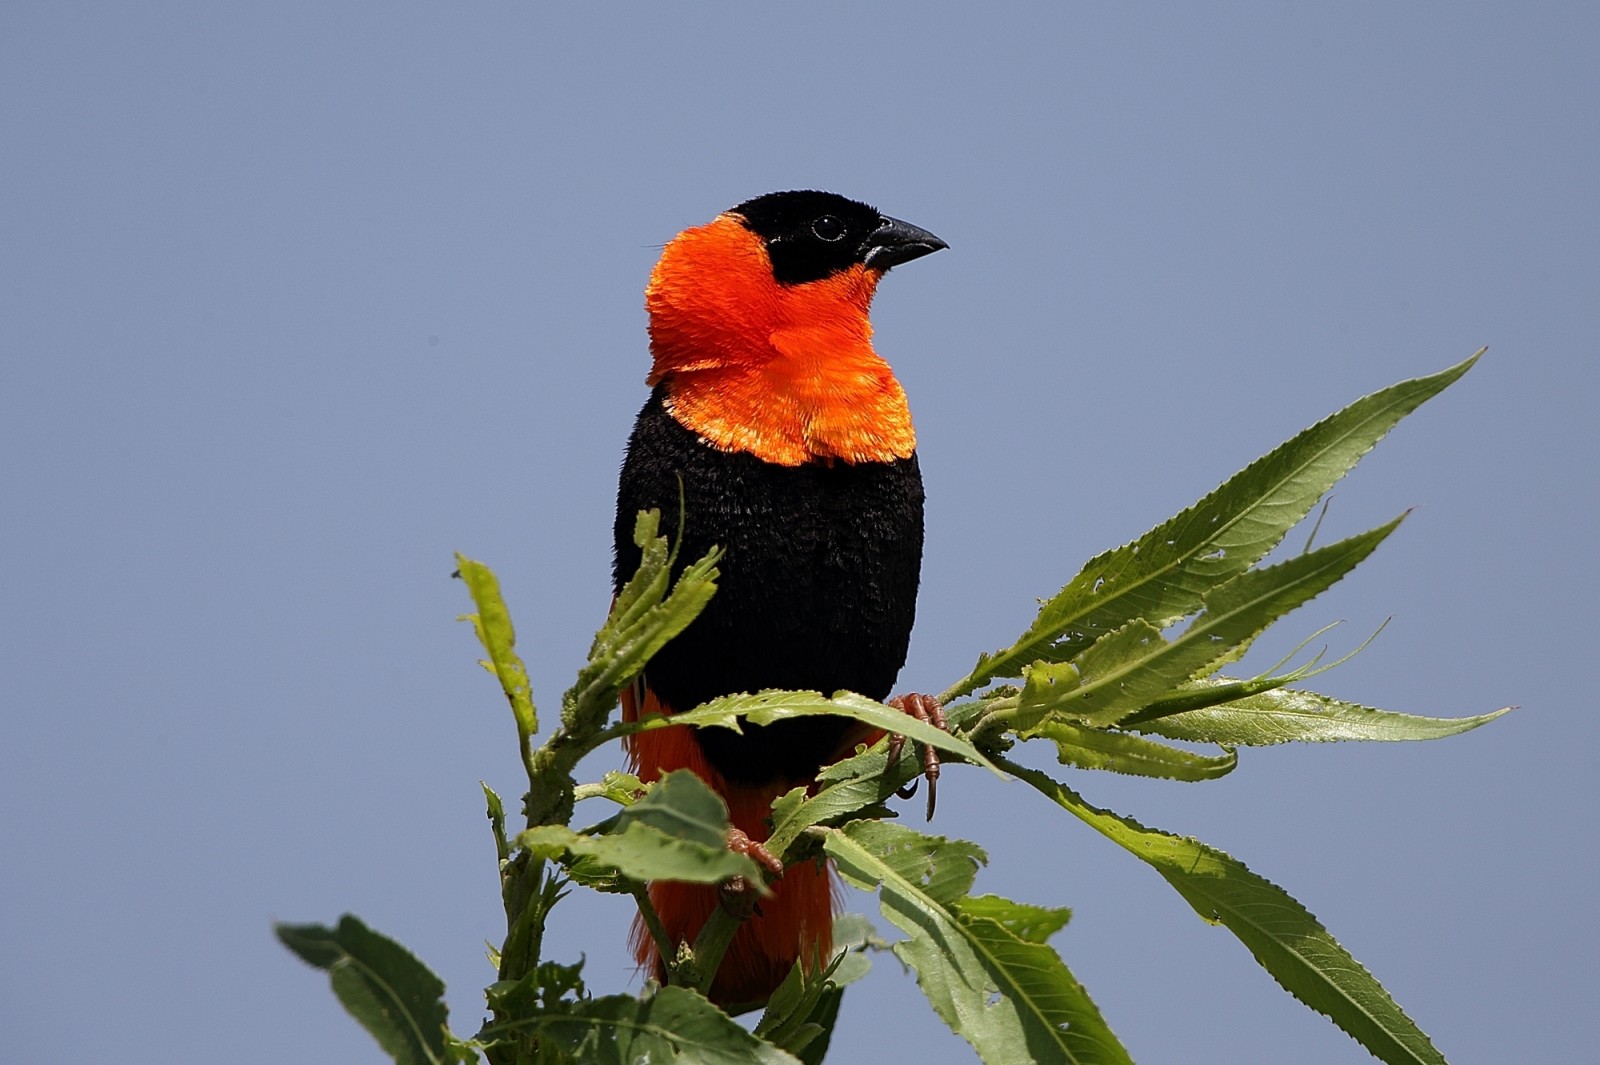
<point x="1286" y="715"/>
<point x="1132" y="672"/>
<point x="765" y="708"/>
<point x="1285" y="938"/>
<point x="1012" y="999"/>
<point x="1092" y="748"/>
<point x="1163" y="575"/>
<point x="492" y="623"/>
<point x="643" y="618"/>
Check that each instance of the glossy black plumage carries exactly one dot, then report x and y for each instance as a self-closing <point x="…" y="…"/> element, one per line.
<point x="813" y="235"/>
<point x="818" y="588"/>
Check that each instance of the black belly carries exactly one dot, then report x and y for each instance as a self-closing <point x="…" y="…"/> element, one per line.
<point x="818" y="588"/>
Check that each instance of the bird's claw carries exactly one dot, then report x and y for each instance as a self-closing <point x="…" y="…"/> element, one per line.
<point x="739" y="897"/>
<point x="927" y="709"/>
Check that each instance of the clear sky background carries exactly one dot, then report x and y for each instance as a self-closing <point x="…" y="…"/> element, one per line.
<point x="298" y="298"/>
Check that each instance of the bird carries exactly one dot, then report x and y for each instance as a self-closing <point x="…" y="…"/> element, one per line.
<point x="790" y="443"/>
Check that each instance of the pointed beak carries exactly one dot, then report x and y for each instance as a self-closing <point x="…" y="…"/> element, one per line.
<point x="895" y="242"/>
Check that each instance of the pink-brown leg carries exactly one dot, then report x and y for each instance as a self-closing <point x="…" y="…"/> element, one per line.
<point x="738" y="897"/>
<point x="923" y="708"/>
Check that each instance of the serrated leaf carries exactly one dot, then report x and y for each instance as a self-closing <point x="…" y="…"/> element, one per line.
<point x="679" y="831"/>
<point x="624" y="789"/>
<point x="1111" y="676"/>
<point x="682" y="805"/>
<point x="1092" y="748"/>
<point x="1137" y="667"/>
<point x="940" y="869"/>
<point x="1163" y="575"/>
<point x="801" y="1013"/>
<point x="1029" y="923"/>
<point x="1284" y="937"/>
<point x="1287" y="715"/>
<point x="855" y="787"/>
<point x="550" y="987"/>
<point x="644" y="616"/>
<point x="492" y="623"/>
<point x="396" y="998"/>
<point x="1013" y="1000"/>
<point x="649" y="582"/>
<point x="767" y="707"/>
<point x="675" y="1025"/>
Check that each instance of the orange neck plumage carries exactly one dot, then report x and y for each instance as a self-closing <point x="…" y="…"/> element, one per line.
<point x="784" y="372"/>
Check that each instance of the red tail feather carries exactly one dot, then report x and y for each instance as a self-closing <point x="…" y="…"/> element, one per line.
<point x="794" y="923"/>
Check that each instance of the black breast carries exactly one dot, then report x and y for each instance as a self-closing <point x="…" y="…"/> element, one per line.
<point x="818" y="588"/>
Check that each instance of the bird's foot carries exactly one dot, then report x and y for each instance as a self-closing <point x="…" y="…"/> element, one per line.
<point x="740" y="897"/>
<point x="927" y="709"/>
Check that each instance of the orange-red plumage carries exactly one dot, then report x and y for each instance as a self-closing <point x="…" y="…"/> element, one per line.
<point x="795" y="922"/>
<point x="786" y="373"/>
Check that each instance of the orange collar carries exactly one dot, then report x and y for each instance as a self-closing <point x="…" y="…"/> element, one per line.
<point x="785" y="372"/>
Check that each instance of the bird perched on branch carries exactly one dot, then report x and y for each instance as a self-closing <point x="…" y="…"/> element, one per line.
<point x="793" y="445"/>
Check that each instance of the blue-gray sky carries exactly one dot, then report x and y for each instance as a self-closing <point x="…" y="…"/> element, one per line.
<point x="299" y="298"/>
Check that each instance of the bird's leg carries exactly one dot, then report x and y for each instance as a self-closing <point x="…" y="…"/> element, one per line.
<point x="928" y="709"/>
<point x="738" y="896"/>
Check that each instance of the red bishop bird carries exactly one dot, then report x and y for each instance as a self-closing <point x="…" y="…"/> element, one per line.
<point x="793" y="445"/>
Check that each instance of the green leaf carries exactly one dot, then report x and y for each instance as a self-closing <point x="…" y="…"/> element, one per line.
<point x="381" y="984"/>
<point x="624" y="789"/>
<point x="550" y="988"/>
<point x="679" y="831"/>
<point x="1012" y="999"/>
<point x="1132" y="666"/>
<point x="1287" y="715"/>
<point x="1029" y="923"/>
<point x="853" y="788"/>
<point x="674" y="1025"/>
<point x="492" y="623"/>
<point x="463" y="1051"/>
<point x="497" y="820"/>
<point x="1093" y="748"/>
<point x="801" y="1013"/>
<point x="1284" y="937"/>
<point x="764" y="708"/>
<point x="643" y="618"/>
<point x="681" y="805"/>
<point x="1164" y="575"/>
<point x="1116" y="667"/>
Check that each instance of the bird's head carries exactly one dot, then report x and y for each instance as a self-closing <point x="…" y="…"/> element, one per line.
<point x="760" y="335"/>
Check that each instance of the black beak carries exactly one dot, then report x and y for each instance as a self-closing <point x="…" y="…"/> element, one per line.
<point x="895" y="242"/>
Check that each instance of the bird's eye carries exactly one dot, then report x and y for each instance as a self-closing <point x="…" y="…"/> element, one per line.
<point x="827" y="228"/>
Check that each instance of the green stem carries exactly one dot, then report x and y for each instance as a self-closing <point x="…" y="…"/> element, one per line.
<point x="652" y="919"/>
<point x="711" y="945"/>
<point x="713" y="941"/>
<point x="992" y="717"/>
<point x="1201" y="698"/>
